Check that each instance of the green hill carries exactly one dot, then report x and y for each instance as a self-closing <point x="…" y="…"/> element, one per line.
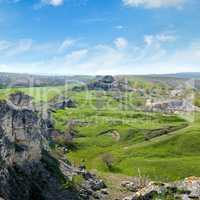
<point x="159" y="146"/>
<point x="114" y="136"/>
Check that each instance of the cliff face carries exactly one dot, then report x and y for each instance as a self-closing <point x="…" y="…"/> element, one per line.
<point x="24" y="173"/>
<point x="27" y="170"/>
<point x="20" y="135"/>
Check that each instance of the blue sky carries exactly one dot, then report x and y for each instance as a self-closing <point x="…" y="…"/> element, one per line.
<point x="99" y="36"/>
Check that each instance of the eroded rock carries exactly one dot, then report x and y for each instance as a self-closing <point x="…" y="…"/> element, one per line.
<point x="27" y="171"/>
<point x="21" y="100"/>
<point x="24" y="175"/>
<point x="21" y="135"/>
<point x="186" y="189"/>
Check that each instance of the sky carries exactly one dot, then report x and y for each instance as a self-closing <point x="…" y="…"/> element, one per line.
<point x="98" y="37"/>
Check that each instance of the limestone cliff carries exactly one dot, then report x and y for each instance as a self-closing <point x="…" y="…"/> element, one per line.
<point x="27" y="170"/>
<point x="24" y="172"/>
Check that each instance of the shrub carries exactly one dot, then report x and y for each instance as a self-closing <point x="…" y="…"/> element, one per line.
<point x="108" y="160"/>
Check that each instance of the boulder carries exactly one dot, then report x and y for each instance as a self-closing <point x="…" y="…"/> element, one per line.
<point x="104" y="191"/>
<point x="191" y="185"/>
<point x="68" y="103"/>
<point x="130" y="186"/>
<point x="135" y="184"/>
<point x="92" y="186"/>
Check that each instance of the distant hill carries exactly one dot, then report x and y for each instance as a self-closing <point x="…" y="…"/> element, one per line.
<point x="27" y="80"/>
<point x="186" y="75"/>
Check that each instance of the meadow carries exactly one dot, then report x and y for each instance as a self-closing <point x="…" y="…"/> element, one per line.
<point x="113" y="135"/>
<point x="156" y="145"/>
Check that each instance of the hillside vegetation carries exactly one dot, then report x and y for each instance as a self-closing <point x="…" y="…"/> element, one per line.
<point x="113" y="133"/>
<point x="157" y="145"/>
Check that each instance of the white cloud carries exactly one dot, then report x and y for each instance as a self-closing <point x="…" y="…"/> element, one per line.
<point x="154" y="3"/>
<point x="76" y="56"/>
<point x="4" y="45"/>
<point x="104" y="59"/>
<point x="121" y="43"/>
<point x="165" y="37"/>
<point x="154" y="57"/>
<point x="53" y="2"/>
<point x="158" y="39"/>
<point x="66" y="44"/>
<point x="9" y="49"/>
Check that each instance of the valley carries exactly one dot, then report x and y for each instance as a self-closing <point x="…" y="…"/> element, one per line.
<point x="111" y="131"/>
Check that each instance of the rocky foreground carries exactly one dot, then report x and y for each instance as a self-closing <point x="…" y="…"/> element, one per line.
<point x="187" y="189"/>
<point x="27" y="170"/>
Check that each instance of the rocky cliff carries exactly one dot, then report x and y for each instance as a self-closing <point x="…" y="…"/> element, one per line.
<point x="24" y="172"/>
<point x="27" y="170"/>
<point x="21" y="135"/>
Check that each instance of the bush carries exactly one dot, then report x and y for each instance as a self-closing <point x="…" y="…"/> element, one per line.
<point x="108" y="160"/>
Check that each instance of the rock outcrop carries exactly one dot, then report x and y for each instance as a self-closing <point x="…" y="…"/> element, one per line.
<point x="21" y="135"/>
<point x="21" y="100"/>
<point x="104" y="83"/>
<point x="27" y="170"/>
<point x="68" y="103"/>
<point x="171" y="106"/>
<point x="24" y="173"/>
<point x="109" y="83"/>
<point x="189" y="189"/>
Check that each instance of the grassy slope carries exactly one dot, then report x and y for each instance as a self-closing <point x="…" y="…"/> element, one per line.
<point x="40" y="94"/>
<point x="169" y="157"/>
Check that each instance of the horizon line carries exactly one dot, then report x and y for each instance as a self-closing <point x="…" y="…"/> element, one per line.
<point x="125" y="74"/>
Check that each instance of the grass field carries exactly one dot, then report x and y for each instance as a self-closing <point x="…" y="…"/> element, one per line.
<point x="40" y="94"/>
<point x="159" y="146"/>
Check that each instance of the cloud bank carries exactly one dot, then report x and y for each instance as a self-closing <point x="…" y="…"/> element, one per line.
<point x="154" y="3"/>
<point x="119" y="57"/>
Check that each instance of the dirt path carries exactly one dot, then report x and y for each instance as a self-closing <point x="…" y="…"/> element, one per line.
<point x="113" y="181"/>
